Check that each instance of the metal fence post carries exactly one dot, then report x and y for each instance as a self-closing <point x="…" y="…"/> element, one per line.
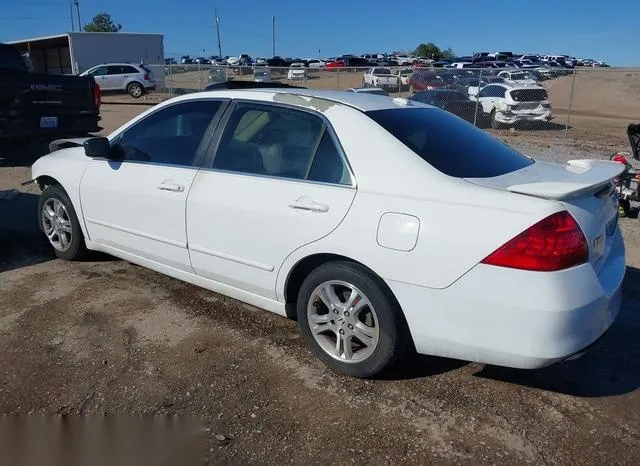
<point x="475" y="115"/>
<point x="573" y="85"/>
<point x="338" y="69"/>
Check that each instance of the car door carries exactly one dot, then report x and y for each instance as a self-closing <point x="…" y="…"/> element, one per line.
<point x="278" y="181"/>
<point x="488" y="98"/>
<point x="99" y="73"/>
<point x="136" y="202"/>
<point x="115" y="77"/>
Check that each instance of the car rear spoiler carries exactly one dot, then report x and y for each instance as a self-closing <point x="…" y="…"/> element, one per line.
<point x="66" y="143"/>
<point x="589" y="174"/>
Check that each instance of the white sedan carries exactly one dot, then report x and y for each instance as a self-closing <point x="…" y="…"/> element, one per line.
<point x="379" y="224"/>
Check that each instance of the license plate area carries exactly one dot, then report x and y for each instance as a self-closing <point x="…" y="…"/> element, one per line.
<point x="49" y="122"/>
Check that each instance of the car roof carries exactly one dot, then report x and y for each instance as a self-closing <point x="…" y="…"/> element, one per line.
<point x="362" y="101"/>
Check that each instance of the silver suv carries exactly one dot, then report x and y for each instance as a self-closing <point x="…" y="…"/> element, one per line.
<point x="124" y="77"/>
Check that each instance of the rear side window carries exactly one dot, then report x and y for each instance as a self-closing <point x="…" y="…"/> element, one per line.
<point x="328" y="166"/>
<point x="129" y="70"/>
<point x="449" y="144"/>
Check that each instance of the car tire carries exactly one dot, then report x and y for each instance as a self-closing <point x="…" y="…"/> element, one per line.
<point x="372" y="331"/>
<point x="57" y="219"/>
<point x="135" y="90"/>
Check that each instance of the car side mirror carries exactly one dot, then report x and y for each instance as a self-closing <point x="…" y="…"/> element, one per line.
<point x="97" y="147"/>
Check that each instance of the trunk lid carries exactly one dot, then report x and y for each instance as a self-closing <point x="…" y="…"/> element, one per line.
<point x="583" y="187"/>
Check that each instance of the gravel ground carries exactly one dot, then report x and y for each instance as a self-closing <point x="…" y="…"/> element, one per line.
<point x="108" y="337"/>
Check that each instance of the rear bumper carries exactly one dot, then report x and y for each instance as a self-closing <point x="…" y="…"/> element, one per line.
<point x="515" y="318"/>
<point x="511" y="118"/>
<point x="27" y="125"/>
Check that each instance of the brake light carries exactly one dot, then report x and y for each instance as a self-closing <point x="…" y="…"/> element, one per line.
<point x="146" y="76"/>
<point x="554" y="243"/>
<point x="96" y="96"/>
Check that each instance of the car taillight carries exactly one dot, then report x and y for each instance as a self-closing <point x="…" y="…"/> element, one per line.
<point x="146" y="76"/>
<point x="554" y="243"/>
<point x="96" y="96"/>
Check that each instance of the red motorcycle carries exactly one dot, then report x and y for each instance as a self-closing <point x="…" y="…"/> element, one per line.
<point x="628" y="183"/>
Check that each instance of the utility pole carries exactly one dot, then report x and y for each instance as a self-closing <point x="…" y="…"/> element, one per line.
<point x="273" y="34"/>
<point x="78" y="11"/>
<point x="218" y="33"/>
<point x="71" y="12"/>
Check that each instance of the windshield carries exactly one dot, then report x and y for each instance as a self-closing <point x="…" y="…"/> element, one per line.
<point x="518" y="76"/>
<point x="529" y="95"/>
<point x="382" y="72"/>
<point x="10" y="58"/>
<point x="449" y="144"/>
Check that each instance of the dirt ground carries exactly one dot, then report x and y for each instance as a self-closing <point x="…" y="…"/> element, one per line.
<point x="108" y="337"/>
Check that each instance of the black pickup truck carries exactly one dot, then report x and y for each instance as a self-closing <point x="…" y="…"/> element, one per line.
<point x="43" y="106"/>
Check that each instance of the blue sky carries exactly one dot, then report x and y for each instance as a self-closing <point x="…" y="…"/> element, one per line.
<point x="585" y="28"/>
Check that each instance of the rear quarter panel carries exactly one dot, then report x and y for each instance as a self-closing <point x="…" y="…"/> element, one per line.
<point x="460" y="223"/>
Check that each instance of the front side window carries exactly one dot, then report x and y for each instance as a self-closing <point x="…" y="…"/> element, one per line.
<point x="173" y="135"/>
<point x="277" y="141"/>
<point x="99" y="71"/>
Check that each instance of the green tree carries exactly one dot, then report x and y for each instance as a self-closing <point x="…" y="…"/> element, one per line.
<point x="448" y="53"/>
<point x="428" y="50"/>
<point x="102" y="22"/>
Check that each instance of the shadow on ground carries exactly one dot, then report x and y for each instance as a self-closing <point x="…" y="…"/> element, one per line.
<point x="611" y="367"/>
<point x="21" y="154"/>
<point x="21" y="242"/>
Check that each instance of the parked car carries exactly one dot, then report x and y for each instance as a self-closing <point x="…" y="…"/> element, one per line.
<point x="136" y="80"/>
<point x="518" y="77"/>
<point x="335" y="65"/>
<point x="463" y="64"/>
<point x="404" y="74"/>
<point x="455" y="102"/>
<point x="170" y="61"/>
<point x="422" y="80"/>
<point x="217" y="74"/>
<point x="297" y="71"/>
<point x="508" y="104"/>
<point x="39" y="105"/>
<point x="368" y="90"/>
<point x="450" y="242"/>
<point x="314" y="63"/>
<point x="262" y="74"/>
<point x="403" y="60"/>
<point x="380" y="77"/>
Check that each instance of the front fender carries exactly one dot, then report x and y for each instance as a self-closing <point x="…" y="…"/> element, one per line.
<point x="66" y="166"/>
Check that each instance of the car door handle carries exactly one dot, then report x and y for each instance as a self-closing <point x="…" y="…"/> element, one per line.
<point x="178" y="188"/>
<point x="308" y="204"/>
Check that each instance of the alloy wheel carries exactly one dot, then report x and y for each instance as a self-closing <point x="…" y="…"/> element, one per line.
<point x="343" y="321"/>
<point x="57" y="224"/>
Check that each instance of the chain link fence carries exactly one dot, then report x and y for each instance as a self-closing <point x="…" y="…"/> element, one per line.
<point x="579" y="109"/>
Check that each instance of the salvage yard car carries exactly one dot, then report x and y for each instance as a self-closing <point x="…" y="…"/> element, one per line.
<point x="135" y="80"/>
<point x="380" y="224"/>
<point x="44" y="106"/>
<point x="508" y="104"/>
<point x="380" y="77"/>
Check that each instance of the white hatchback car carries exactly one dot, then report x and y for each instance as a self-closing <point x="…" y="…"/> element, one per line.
<point x="136" y="80"/>
<point x="378" y="223"/>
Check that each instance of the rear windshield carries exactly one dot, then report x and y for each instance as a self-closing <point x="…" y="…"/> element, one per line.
<point x="10" y="58"/>
<point x="382" y="72"/>
<point x="144" y="67"/>
<point x="529" y="95"/>
<point x="449" y="144"/>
